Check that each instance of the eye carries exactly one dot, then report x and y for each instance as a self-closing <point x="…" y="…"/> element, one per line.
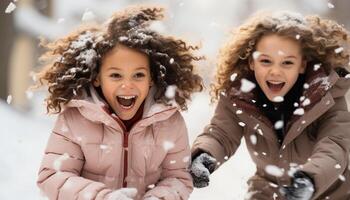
<point x="288" y="62"/>
<point x="115" y="75"/>
<point x="139" y="75"/>
<point x="265" y="61"/>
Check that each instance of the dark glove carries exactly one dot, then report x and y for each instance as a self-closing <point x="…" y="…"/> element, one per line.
<point x="302" y="187"/>
<point x="201" y="167"/>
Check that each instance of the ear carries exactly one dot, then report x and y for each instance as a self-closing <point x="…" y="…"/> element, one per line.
<point x="303" y="67"/>
<point x="251" y="64"/>
<point x="97" y="81"/>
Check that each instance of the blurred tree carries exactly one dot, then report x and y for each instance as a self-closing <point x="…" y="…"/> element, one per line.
<point x="7" y="31"/>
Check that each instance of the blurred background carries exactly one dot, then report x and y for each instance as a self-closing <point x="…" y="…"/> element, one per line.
<point x="24" y="125"/>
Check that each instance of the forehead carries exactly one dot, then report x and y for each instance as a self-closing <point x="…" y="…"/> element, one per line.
<point x="275" y="44"/>
<point x="121" y="56"/>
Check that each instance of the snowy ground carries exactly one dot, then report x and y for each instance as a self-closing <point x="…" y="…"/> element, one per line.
<point x="24" y="138"/>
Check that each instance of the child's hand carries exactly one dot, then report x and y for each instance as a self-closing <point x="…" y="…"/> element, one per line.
<point x="200" y="169"/>
<point x="122" y="194"/>
<point x="301" y="189"/>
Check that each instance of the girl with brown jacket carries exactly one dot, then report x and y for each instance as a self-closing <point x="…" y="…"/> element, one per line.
<point x="118" y="90"/>
<point x="280" y="84"/>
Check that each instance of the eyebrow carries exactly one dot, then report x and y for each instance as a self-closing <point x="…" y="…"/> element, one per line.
<point x="291" y="56"/>
<point x="117" y="68"/>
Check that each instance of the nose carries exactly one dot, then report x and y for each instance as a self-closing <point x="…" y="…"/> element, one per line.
<point x="127" y="84"/>
<point x="275" y="70"/>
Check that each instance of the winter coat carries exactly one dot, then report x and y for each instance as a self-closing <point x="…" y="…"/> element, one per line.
<point x="89" y="153"/>
<point x="318" y="141"/>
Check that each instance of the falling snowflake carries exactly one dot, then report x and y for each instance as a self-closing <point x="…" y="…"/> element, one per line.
<point x="256" y="126"/>
<point x="238" y="112"/>
<point x="295" y="104"/>
<point x="330" y="5"/>
<point x="88" y="16"/>
<point x="9" y="99"/>
<point x="317" y="66"/>
<point x="103" y="146"/>
<point x="273" y="185"/>
<point x="278" y="99"/>
<point x="33" y="76"/>
<point x="171" y="61"/>
<point x="306" y="86"/>
<point x="170" y="91"/>
<point x="274" y="196"/>
<point x="263" y="153"/>
<point x="64" y="128"/>
<point x="123" y="38"/>
<point x="233" y="77"/>
<point x="58" y="162"/>
<point x="29" y="94"/>
<point x="253" y="139"/>
<point x="260" y="131"/>
<point x="246" y="85"/>
<point x="337" y="166"/>
<point x="306" y="102"/>
<point x="186" y="159"/>
<point x="151" y="186"/>
<point x="60" y="20"/>
<point x="338" y="50"/>
<point x="342" y="178"/>
<point x="274" y="170"/>
<point x="278" y="124"/>
<point x="256" y="153"/>
<point x="347" y="76"/>
<point x="226" y="157"/>
<point x="297" y="37"/>
<point x="256" y="55"/>
<point x="172" y="162"/>
<point x="11" y="7"/>
<point x="281" y="53"/>
<point x="241" y="124"/>
<point x="167" y="145"/>
<point x="298" y="111"/>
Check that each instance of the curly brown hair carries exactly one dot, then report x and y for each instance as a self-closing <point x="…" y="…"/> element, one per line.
<point x="74" y="61"/>
<point x="322" y="42"/>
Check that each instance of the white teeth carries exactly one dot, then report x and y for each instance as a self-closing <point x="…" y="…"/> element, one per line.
<point x="127" y="97"/>
<point x="276" y="82"/>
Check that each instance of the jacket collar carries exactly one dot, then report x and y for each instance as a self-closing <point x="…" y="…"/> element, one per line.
<point x="92" y="107"/>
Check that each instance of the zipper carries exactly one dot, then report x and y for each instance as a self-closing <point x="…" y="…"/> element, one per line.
<point x="126" y="144"/>
<point x="125" y="152"/>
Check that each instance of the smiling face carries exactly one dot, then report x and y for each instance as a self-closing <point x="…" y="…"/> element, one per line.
<point x="276" y="64"/>
<point x="125" y="80"/>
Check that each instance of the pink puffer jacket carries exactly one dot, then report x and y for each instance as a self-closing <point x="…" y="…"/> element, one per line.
<point x="89" y="154"/>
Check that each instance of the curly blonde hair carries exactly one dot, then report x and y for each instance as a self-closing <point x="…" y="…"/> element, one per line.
<point x="322" y="42"/>
<point x="74" y="61"/>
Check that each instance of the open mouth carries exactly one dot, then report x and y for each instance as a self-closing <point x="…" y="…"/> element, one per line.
<point x="126" y="102"/>
<point x="275" y="86"/>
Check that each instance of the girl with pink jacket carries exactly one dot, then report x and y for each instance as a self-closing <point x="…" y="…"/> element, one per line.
<point x="117" y="90"/>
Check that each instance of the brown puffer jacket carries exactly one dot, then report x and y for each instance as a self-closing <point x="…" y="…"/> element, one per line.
<point x="318" y="141"/>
